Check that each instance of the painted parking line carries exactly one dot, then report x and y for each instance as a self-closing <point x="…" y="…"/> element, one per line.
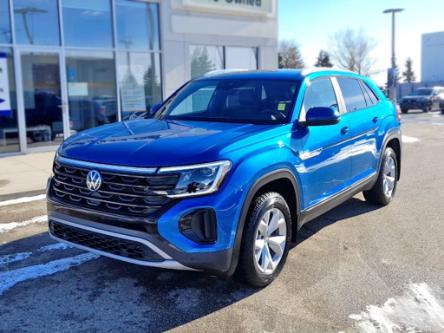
<point x="409" y="139"/>
<point x="417" y="310"/>
<point x="6" y="227"/>
<point x="10" y="278"/>
<point x="22" y="200"/>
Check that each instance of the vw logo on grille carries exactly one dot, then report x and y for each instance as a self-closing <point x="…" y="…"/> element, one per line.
<point x="93" y="180"/>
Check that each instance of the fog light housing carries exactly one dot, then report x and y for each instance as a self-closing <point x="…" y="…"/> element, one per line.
<point x="200" y="226"/>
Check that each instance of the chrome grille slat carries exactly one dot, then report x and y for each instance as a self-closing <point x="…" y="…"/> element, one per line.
<point x="83" y="188"/>
<point x="119" y="193"/>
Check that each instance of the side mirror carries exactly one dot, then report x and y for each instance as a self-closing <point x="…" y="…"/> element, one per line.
<point x="320" y="116"/>
<point x="155" y="108"/>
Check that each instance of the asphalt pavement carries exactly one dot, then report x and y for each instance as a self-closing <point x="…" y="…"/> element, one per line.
<point x="358" y="268"/>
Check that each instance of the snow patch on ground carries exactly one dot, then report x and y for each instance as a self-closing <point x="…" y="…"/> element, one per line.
<point x="409" y="139"/>
<point x="417" y="310"/>
<point x="5" y="227"/>
<point x="54" y="246"/>
<point x="22" y="200"/>
<point x="10" y="258"/>
<point x="9" y="279"/>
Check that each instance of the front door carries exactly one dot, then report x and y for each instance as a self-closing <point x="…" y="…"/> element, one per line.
<point x="42" y="99"/>
<point x="324" y="151"/>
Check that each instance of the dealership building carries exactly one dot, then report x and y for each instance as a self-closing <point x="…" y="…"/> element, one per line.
<point x="69" y="65"/>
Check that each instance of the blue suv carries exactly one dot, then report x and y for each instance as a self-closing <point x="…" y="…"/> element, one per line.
<point x="226" y="171"/>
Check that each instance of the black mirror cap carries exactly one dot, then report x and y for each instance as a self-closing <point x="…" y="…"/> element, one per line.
<point x="321" y="116"/>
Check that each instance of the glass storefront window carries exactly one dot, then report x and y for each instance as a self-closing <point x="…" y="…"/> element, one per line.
<point x="91" y="89"/>
<point x="241" y="57"/>
<point x="137" y="25"/>
<point x="139" y="80"/>
<point x="36" y="22"/>
<point x="5" y="24"/>
<point x="9" y="135"/>
<point x="205" y="59"/>
<point x="87" y="23"/>
<point x="42" y="97"/>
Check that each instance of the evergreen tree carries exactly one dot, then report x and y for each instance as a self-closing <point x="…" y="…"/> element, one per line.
<point x="323" y="59"/>
<point x="408" y="74"/>
<point x="201" y="62"/>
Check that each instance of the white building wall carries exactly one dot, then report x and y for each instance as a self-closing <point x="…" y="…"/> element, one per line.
<point x="432" y="64"/>
<point x="182" y="26"/>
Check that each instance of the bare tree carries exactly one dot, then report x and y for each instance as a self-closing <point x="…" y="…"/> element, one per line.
<point x="352" y="50"/>
<point x="289" y="55"/>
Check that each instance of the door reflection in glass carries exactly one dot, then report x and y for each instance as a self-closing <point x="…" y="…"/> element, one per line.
<point x="91" y="89"/>
<point x="41" y="90"/>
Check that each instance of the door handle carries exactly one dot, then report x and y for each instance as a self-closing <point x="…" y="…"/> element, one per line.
<point x="345" y="130"/>
<point x="375" y="119"/>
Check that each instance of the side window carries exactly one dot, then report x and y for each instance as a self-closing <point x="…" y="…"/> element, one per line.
<point x="352" y="92"/>
<point x="319" y="93"/>
<point x="370" y="95"/>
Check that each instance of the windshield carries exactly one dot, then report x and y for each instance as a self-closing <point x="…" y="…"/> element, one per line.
<point x="423" y="92"/>
<point x="261" y="101"/>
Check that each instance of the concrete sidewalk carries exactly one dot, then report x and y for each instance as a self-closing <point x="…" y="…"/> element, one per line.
<point x="24" y="173"/>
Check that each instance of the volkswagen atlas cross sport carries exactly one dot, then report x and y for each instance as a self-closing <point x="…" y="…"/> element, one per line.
<point x="225" y="172"/>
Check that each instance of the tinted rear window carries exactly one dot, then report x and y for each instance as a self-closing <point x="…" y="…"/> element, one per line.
<point x="352" y="92"/>
<point x="370" y="95"/>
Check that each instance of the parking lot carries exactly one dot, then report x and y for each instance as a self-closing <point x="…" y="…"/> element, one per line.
<point x="359" y="268"/>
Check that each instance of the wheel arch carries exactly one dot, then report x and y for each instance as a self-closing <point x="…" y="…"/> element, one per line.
<point x="393" y="140"/>
<point x="282" y="181"/>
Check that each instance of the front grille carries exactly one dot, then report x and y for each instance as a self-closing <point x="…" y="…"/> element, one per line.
<point x="126" y="194"/>
<point x="105" y="243"/>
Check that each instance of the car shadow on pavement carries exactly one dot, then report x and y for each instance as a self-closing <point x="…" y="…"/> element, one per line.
<point x="101" y="294"/>
<point x="350" y="208"/>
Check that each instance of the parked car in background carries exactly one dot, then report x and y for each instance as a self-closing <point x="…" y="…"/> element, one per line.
<point x="228" y="170"/>
<point x="426" y="99"/>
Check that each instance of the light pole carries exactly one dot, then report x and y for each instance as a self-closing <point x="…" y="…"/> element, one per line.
<point x="393" y="73"/>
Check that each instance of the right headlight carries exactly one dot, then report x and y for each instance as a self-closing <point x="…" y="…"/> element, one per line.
<point x="198" y="179"/>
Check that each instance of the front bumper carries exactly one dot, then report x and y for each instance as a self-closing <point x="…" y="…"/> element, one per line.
<point x="108" y="235"/>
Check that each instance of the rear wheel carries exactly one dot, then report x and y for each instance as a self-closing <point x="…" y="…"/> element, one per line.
<point x="404" y="110"/>
<point x="265" y="240"/>
<point x="384" y="190"/>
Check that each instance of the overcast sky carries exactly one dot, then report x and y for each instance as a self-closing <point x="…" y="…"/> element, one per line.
<point x="312" y="23"/>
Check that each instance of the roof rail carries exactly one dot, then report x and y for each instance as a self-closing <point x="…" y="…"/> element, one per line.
<point x="311" y="70"/>
<point x="224" y="71"/>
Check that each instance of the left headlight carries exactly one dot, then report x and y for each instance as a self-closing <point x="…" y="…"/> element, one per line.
<point x="198" y="179"/>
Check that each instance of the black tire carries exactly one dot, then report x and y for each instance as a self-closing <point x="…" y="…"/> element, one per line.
<point x="427" y="109"/>
<point x="376" y="194"/>
<point x="404" y="110"/>
<point x="247" y="268"/>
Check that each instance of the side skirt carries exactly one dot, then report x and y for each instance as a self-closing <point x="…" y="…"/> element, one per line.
<point x="324" y="206"/>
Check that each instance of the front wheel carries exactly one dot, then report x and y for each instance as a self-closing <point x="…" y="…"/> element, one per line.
<point x="266" y="239"/>
<point x="383" y="191"/>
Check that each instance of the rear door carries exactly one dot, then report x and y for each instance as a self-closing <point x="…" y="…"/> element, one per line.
<point x="324" y="151"/>
<point x="363" y="116"/>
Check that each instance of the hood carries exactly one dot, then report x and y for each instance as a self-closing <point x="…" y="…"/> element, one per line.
<point x="152" y="143"/>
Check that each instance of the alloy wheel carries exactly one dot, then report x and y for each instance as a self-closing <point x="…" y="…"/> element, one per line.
<point x="270" y="242"/>
<point x="389" y="175"/>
